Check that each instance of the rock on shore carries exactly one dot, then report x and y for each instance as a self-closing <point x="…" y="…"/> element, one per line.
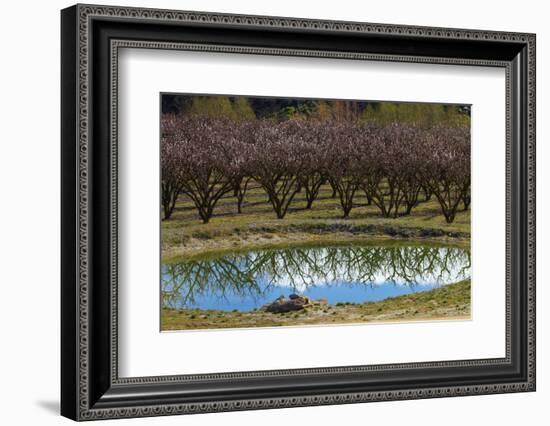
<point x="294" y="302"/>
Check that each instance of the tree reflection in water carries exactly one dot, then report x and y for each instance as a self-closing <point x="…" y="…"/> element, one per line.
<point x="256" y="274"/>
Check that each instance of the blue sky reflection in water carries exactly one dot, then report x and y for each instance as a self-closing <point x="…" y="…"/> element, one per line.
<point x="355" y="274"/>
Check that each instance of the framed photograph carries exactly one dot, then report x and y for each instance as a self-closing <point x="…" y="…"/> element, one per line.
<point x="263" y="212"/>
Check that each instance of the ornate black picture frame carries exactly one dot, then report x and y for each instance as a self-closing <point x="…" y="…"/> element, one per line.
<point x="91" y="36"/>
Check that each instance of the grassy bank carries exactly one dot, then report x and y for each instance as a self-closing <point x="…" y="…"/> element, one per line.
<point x="448" y="302"/>
<point x="257" y="227"/>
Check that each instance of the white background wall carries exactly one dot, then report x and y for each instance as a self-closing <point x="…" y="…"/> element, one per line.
<point x="29" y="211"/>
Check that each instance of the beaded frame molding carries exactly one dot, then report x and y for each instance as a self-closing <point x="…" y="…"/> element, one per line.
<point x="91" y="38"/>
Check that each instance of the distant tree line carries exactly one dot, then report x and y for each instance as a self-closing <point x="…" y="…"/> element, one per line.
<point x="396" y="164"/>
<point x="281" y="109"/>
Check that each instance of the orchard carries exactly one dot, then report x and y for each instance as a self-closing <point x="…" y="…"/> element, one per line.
<point x="395" y="165"/>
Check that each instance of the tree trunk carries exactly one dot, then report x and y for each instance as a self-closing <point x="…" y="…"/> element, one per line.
<point x="466" y="200"/>
<point x="369" y="198"/>
<point x="239" y="204"/>
<point x="169" y="198"/>
<point x="280" y="192"/>
<point x="449" y="217"/>
<point x="204" y="215"/>
<point x="427" y="193"/>
<point x="312" y="191"/>
<point x="346" y="192"/>
<point x="334" y="190"/>
<point x="167" y="211"/>
<point x="346" y="210"/>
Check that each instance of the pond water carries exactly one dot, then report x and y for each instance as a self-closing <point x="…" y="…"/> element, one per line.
<point x="355" y="274"/>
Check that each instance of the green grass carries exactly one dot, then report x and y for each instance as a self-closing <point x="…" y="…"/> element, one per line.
<point x="184" y="233"/>
<point x="447" y="302"/>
